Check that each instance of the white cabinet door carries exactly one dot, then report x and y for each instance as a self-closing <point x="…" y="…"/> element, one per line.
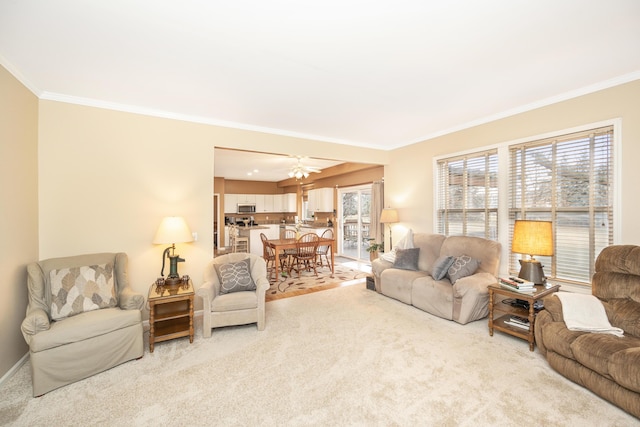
<point x="321" y="200"/>
<point x="230" y="203"/>
<point x="278" y="202"/>
<point x="259" y="203"/>
<point x="268" y="204"/>
<point x="289" y="202"/>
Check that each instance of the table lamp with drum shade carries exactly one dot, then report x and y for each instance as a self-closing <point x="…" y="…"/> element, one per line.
<point x="389" y="216"/>
<point x="532" y="238"/>
<point x="173" y="229"/>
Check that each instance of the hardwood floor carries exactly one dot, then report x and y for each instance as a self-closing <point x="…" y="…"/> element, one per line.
<point x="296" y="293"/>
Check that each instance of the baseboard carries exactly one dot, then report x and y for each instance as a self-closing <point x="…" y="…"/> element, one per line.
<point x="14" y="369"/>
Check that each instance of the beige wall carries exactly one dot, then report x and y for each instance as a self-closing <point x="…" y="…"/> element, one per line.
<point x="409" y="177"/>
<point x="107" y="178"/>
<point x="19" y="224"/>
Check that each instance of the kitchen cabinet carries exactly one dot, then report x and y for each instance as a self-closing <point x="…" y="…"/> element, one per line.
<point x="230" y="203"/>
<point x="265" y="203"/>
<point x="320" y="200"/>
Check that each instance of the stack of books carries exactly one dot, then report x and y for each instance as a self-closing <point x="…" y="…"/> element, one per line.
<point x="518" y="322"/>
<point x="518" y="285"/>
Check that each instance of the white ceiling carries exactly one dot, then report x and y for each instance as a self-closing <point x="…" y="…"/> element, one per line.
<point x="374" y="73"/>
<point x="252" y="166"/>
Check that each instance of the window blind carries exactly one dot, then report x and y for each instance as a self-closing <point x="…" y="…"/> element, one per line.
<point x="467" y="195"/>
<point x="567" y="180"/>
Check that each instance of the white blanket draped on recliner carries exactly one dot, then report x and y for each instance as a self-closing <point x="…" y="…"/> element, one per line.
<point x="586" y="313"/>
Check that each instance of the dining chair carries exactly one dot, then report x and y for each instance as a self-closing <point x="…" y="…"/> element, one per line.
<point x="323" y="250"/>
<point x="269" y="256"/>
<point x="306" y="252"/>
<point x="287" y="254"/>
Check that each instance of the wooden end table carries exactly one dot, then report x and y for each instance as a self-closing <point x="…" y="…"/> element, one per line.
<point x="496" y="304"/>
<point x="170" y="312"/>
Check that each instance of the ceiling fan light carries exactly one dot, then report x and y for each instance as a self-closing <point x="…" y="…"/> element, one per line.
<point x="291" y="174"/>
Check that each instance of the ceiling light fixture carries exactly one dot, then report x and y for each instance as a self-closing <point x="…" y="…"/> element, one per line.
<point x="300" y="171"/>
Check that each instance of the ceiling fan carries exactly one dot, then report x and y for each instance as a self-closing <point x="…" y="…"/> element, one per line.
<point x="300" y="171"/>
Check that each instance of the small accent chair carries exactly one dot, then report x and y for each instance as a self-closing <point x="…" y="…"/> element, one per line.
<point x="72" y="336"/>
<point x="306" y="252"/>
<point x="323" y="250"/>
<point x="233" y="308"/>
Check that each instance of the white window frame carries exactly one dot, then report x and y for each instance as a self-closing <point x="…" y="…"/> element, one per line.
<point x="503" y="185"/>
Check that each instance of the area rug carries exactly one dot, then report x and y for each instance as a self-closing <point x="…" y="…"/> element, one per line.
<point x="342" y="357"/>
<point x="307" y="280"/>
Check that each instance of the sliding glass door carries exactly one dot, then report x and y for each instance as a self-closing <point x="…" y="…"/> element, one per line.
<point x="354" y="215"/>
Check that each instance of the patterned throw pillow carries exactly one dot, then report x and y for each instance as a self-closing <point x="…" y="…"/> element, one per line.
<point x="235" y="277"/>
<point x="79" y="289"/>
<point x="462" y="266"/>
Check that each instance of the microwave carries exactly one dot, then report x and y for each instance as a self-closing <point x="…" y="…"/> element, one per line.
<point x="246" y="208"/>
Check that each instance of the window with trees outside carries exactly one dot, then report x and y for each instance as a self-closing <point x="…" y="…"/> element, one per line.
<point x="567" y="179"/>
<point x="467" y="195"/>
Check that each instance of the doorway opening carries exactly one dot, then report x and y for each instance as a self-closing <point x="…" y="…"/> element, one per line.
<point x="354" y="204"/>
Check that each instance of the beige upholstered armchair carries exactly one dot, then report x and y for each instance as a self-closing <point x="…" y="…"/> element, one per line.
<point x="82" y="318"/>
<point x="233" y="291"/>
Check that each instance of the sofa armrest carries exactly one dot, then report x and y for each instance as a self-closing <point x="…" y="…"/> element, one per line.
<point x="379" y="265"/>
<point x="476" y="284"/>
<point x="471" y="297"/>
<point x="553" y="307"/>
<point x="130" y="299"/>
<point x="36" y="321"/>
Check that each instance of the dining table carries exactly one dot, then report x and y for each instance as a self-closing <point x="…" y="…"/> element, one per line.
<point x="279" y="246"/>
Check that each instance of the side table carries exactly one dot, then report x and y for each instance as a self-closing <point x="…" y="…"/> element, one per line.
<point x="496" y="304"/>
<point x="170" y="312"/>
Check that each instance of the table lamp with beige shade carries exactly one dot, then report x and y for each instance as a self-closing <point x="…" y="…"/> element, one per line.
<point x="172" y="230"/>
<point x="532" y="238"/>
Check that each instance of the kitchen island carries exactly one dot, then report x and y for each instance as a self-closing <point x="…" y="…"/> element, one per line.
<point x="272" y="231"/>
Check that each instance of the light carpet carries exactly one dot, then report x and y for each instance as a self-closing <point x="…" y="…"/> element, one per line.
<point x="308" y="280"/>
<point x="345" y="356"/>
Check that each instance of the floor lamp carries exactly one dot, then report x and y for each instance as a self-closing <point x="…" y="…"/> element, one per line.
<point x="389" y="216"/>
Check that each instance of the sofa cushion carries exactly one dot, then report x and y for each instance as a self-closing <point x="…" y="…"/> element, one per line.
<point x="441" y="267"/>
<point x="624" y="368"/>
<point x="396" y="283"/>
<point x="593" y="350"/>
<point x="462" y="266"/>
<point x="558" y="338"/>
<point x="84" y="326"/>
<point x="235" y="277"/>
<point x="76" y="290"/>
<point x="407" y="259"/>
<point x="433" y="296"/>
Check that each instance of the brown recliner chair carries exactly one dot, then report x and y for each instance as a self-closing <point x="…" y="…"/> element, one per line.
<point x="606" y="364"/>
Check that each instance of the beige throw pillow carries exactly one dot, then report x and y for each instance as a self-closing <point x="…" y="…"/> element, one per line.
<point x="79" y="289"/>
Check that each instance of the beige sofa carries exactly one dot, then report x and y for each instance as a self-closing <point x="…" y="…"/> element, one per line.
<point x="76" y="346"/>
<point x="464" y="301"/>
<point x="606" y="364"/>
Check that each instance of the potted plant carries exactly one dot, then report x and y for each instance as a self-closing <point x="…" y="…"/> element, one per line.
<point x="374" y="248"/>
